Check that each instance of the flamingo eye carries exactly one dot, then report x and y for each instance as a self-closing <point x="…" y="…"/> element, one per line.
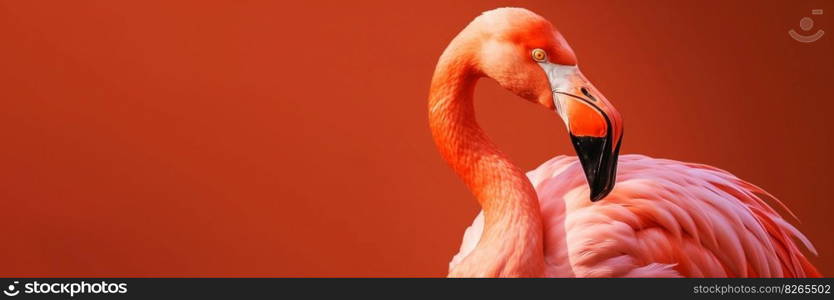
<point x="539" y="55"/>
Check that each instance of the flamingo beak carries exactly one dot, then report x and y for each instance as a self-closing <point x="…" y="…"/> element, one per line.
<point x="594" y="125"/>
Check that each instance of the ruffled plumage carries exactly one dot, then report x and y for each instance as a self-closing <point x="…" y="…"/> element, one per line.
<point x="664" y="218"/>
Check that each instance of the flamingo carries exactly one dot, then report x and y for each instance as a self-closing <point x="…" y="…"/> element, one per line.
<point x="586" y="216"/>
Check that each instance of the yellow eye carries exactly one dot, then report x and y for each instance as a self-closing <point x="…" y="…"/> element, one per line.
<point x="539" y="55"/>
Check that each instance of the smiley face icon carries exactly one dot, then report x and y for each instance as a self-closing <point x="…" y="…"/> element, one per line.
<point x="806" y="24"/>
<point x="12" y="290"/>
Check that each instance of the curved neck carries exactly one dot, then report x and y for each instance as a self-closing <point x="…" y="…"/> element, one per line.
<point x="511" y="244"/>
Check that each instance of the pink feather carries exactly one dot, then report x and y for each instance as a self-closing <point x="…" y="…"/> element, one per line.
<point x="664" y="218"/>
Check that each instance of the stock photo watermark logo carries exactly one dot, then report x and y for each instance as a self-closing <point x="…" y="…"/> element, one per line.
<point x="70" y="289"/>
<point x="12" y="290"/>
<point x="807" y="24"/>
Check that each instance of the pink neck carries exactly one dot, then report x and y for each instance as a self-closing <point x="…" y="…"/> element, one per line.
<point x="511" y="244"/>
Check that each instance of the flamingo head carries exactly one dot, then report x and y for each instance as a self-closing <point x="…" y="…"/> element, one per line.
<point x="525" y="54"/>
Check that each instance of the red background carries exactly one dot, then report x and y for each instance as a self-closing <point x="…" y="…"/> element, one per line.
<point x="273" y="139"/>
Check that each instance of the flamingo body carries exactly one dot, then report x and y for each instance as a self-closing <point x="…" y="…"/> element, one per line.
<point x="664" y="218"/>
<point x="587" y="216"/>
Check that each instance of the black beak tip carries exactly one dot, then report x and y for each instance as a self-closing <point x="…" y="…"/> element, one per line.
<point x="599" y="164"/>
<point x="602" y="184"/>
<point x="597" y="195"/>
